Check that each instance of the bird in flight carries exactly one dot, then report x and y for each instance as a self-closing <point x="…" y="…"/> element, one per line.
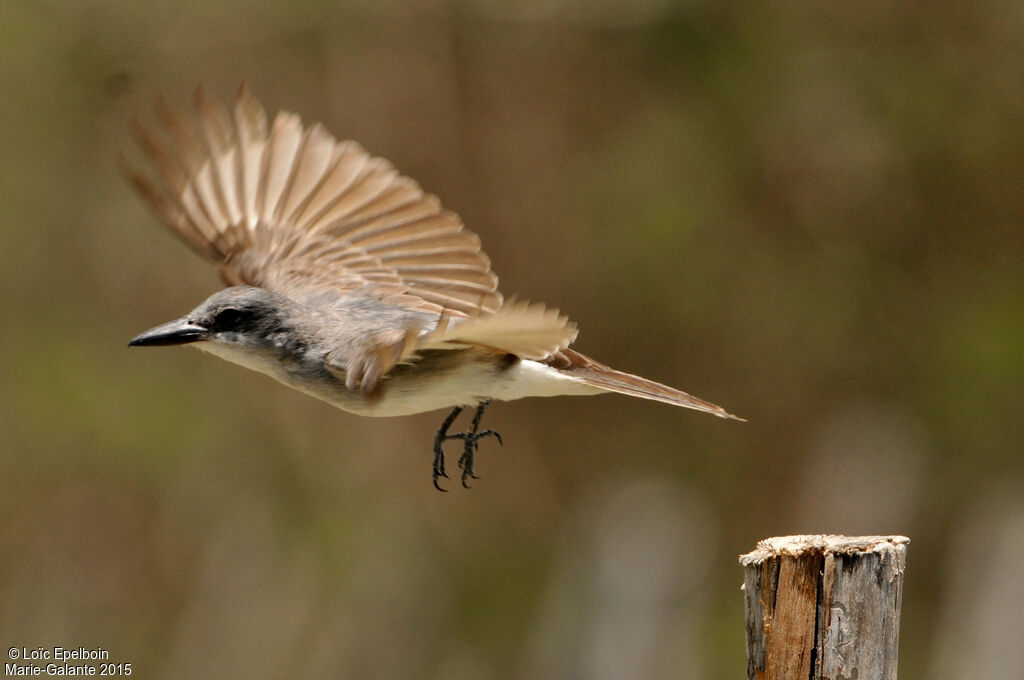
<point x="348" y="282"/>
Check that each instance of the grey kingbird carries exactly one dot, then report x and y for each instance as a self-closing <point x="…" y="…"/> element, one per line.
<point x="348" y="282"/>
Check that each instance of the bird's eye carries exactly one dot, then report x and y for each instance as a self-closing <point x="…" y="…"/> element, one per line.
<point x="229" y="318"/>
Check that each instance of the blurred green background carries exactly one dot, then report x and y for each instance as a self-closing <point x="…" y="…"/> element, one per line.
<point x="809" y="213"/>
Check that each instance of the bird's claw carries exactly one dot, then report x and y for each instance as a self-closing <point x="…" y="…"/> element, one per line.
<point x="438" y="474"/>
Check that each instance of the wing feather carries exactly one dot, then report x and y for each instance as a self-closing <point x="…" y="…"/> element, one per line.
<point x="215" y="125"/>
<point x="347" y="162"/>
<point x="251" y="126"/>
<point x="528" y="330"/>
<point x="278" y="163"/>
<point x="317" y="152"/>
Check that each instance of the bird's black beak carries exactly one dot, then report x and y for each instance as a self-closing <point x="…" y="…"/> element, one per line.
<point x="177" y="332"/>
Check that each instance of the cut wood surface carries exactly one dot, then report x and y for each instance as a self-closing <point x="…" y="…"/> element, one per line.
<point x="824" y="607"/>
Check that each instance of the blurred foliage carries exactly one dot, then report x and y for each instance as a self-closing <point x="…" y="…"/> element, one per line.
<point x="810" y="213"/>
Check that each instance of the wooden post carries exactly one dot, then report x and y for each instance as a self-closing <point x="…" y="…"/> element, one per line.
<point x="824" y="607"/>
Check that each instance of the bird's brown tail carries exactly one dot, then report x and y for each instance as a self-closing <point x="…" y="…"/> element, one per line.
<point x="604" y="377"/>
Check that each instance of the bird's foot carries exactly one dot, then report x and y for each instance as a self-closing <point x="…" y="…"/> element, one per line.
<point x="471" y="440"/>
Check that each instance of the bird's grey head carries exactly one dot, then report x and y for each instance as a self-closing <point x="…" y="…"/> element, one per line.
<point x="242" y="317"/>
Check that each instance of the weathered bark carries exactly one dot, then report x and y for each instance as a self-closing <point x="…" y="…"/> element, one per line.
<point x="824" y="607"/>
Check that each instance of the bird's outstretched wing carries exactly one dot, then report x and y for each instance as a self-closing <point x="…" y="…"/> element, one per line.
<point x="290" y="208"/>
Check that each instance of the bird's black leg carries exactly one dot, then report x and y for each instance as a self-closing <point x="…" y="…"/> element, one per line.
<point x="439" y="438"/>
<point x="471" y="439"/>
